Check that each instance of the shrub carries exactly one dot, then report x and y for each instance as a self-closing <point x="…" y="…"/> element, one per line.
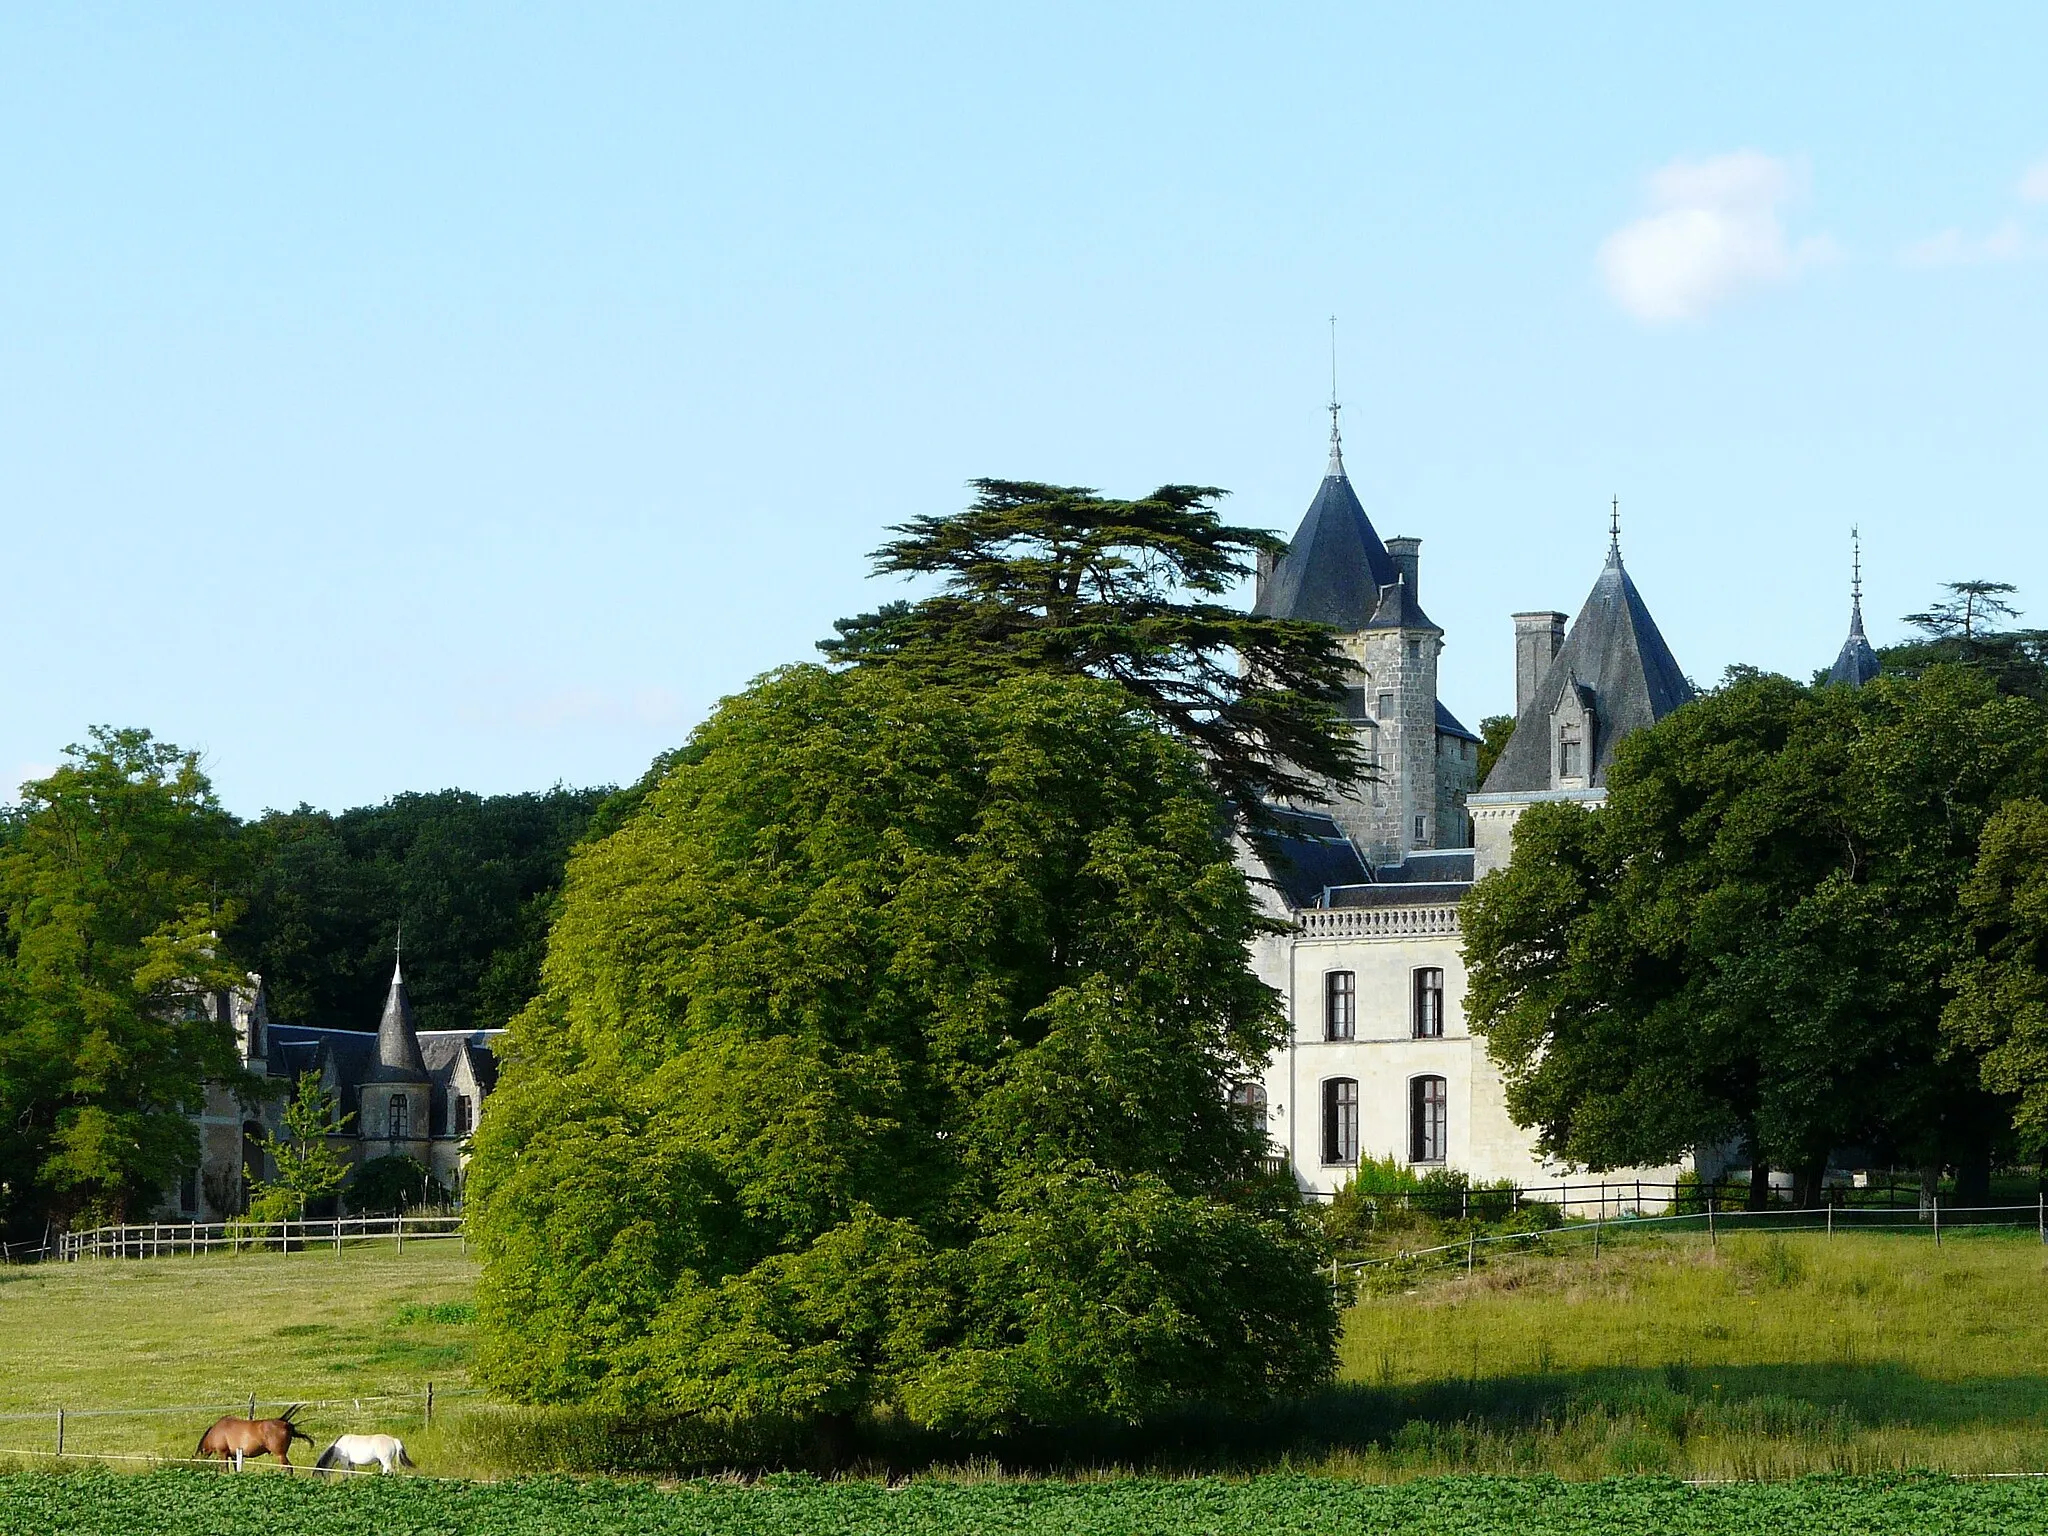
<point x="384" y="1186"/>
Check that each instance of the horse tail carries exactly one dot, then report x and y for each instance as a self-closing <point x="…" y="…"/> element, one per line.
<point x="403" y="1459"/>
<point x="293" y="1432"/>
<point x="328" y="1457"/>
<point x="287" y="1414"/>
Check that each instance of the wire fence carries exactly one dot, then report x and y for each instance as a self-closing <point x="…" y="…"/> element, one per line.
<point x="59" y="1421"/>
<point x="165" y="1239"/>
<point x="1936" y="1220"/>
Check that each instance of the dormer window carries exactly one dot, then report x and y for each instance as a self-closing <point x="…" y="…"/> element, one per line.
<point x="1571" y="751"/>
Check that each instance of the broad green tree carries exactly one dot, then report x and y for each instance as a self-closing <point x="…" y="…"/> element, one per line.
<point x="1749" y="942"/>
<point x="881" y="1064"/>
<point x="1999" y="1011"/>
<point x="1059" y="579"/>
<point x="113" y="886"/>
<point x="308" y="1167"/>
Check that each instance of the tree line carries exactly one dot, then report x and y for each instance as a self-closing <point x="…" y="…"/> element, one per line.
<point x="1807" y="923"/>
<point x="128" y="893"/>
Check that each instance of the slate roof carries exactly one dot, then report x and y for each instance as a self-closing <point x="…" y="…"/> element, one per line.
<point x="1614" y="654"/>
<point x="398" y="1037"/>
<point x="1858" y="663"/>
<point x="1398" y="609"/>
<point x="1306" y="854"/>
<point x="1335" y="566"/>
<point x="296" y="1048"/>
<point x="1448" y="724"/>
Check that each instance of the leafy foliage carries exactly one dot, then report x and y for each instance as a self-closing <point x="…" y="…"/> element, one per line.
<point x="882" y="1063"/>
<point x="105" y="1504"/>
<point x="386" y="1186"/>
<point x="2000" y="1007"/>
<point x="472" y="878"/>
<point x="1749" y="942"/>
<point x="1965" y="629"/>
<point x="308" y="1169"/>
<point x="1059" y="579"/>
<point x="114" y="875"/>
<point x="1494" y="732"/>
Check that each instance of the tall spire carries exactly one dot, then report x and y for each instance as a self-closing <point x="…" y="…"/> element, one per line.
<point x="1855" y="580"/>
<point x="1614" y="530"/>
<point x="1336" y="439"/>
<point x="398" y="1039"/>
<point x="1857" y="664"/>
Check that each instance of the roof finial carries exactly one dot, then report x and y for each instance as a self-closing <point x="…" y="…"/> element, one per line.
<point x="1614" y="529"/>
<point x="1855" y="580"/>
<point x="1336" y="441"/>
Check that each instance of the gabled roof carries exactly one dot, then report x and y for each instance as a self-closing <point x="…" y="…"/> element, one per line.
<point x="1397" y="609"/>
<point x="1335" y="566"/>
<point x="1858" y="663"/>
<point x="1615" y="654"/>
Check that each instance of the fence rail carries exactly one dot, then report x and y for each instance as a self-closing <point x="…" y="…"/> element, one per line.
<point x="1623" y="1197"/>
<point x="165" y="1239"/>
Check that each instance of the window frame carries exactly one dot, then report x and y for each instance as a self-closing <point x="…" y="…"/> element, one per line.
<point x="1340" y="1125"/>
<point x="1429" y="1118"/>
<point x="1333" y="993"/>
<point x="398" y="1118"/>
<point x="1426" y="1006"/>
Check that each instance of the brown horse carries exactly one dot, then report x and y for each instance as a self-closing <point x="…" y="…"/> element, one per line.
<point x="235" y="1438"/>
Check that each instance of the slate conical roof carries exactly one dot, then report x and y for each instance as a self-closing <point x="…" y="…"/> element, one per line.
<point x="1336" y="565"/>
<point x="398" y="1037"/>
<point x="1617" y="659"/>
<point x="1858" y="663"/>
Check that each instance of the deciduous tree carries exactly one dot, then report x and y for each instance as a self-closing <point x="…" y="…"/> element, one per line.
<point x="882" y="1062"/>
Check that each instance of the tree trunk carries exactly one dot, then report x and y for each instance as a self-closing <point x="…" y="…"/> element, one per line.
<point x="1759" y="1184"/>
<point x="1809" y="1183"/>
<point x="1973" y="1176"/>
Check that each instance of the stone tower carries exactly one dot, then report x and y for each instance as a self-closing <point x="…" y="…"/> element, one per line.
<point x="1337" y="571"/>
<point x="397" y="1093"/>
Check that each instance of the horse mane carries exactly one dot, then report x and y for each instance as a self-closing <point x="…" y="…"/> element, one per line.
<point x="328" y="1457"/>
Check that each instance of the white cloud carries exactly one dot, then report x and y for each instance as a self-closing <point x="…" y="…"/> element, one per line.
<point x="2033" y="187"/>
<point x="1714" y="235"/>
<point x="1953" y="248"/>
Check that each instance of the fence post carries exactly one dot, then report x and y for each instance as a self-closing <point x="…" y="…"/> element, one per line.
<point x="1599" y="1221"/>
<point x="1937" y="1221"/>
<point x="1471" y="1246"/>
<point x="252" y="1405"/>
<point x="1831" y="1218"/>
<point x="2041" y="1214"/>
<point x="430" y="1405"/>
<point x="1713" y="1240"/>
<point x="60" y="1431"/>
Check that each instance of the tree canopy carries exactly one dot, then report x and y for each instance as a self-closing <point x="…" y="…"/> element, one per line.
<point x="1053" y="578"/>
<point x="881" y="1062"/>
<point x="472" y="878"/>
<point x="1750" y="941"/>
<point x="115" y="874"/>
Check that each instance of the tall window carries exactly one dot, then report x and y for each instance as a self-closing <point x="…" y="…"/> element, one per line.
<point x="1340" y="1120"/>
<point x="1571" y="752"/>
<point x="465" y="1113"/>
<point x="1429" y="1003"/>
<point x="1428" y="1120"/>
<point x="398" y="1124"/>
<point x="1385" y="707"/>
<point x="1340" y="1005"/>
<point x="188" y="1191"/>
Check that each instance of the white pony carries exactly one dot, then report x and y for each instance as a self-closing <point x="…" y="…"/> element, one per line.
<point x="352" y="1451"/>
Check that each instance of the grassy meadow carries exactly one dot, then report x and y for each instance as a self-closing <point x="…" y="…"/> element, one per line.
<point x="1771" y="1356"/>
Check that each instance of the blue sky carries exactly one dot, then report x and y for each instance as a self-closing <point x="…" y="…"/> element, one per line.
<point x="402" y="397"/>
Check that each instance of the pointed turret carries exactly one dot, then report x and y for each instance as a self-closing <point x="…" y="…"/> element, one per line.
<point x="1612" y="676"/>
<point x="1858" y="663"/>
<point x="1336" y="566"/>
<point x="398" y="1037"/>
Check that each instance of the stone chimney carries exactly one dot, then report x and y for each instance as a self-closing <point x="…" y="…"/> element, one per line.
<point x="1267" y="560"/>
<point x="1538" y="639"/>
<point x="1407" y="555"/>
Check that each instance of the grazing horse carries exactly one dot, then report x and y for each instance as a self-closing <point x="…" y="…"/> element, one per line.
<point x="352" y="1451"/>
<point x="233" y="1438"/>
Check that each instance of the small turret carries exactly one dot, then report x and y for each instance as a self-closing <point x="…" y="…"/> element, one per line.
<point x="398" y="1037"/>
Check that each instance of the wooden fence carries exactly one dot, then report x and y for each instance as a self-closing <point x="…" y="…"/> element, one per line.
<point x="162" y="1239"/>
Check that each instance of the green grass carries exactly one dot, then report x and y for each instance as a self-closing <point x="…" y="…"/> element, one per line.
<point x="214" y="1329"/>
<point x="1771" y="1357"/>
<point x="197" y="1504"/>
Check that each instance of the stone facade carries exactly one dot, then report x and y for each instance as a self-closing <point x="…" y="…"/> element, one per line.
<point x="1379" y="1060"/>
<point x="402" y="1091"/>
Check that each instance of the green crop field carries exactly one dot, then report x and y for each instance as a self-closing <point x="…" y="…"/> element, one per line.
<point x="196" y="1504"/>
